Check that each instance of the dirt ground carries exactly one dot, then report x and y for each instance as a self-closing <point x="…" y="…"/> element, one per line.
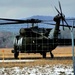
<point x="62" y="55"/>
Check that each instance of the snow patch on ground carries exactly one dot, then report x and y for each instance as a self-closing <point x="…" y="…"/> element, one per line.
<point x="39" y="70"/>
<point x="17" y="60"/>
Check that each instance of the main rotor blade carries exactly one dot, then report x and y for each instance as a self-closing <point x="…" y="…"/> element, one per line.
<point x="60" y="25"/>
<point x="10" y="19"/>
<point x="63" y="24"/>
<point x="71" y="19"/>
<point x="11" y="23"/>
<point x="21" y="21"/>
<point x="24" y="21"/>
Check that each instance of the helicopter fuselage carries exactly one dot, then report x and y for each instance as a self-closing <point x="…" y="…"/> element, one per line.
<point x="34" y="40"/>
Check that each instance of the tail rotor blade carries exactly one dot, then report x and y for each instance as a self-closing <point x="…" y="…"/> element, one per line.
<point x="57" y="10"/>
<point x="60" y="7"/>
<point x="63" y="16"/>
<point x="66" y="23"/>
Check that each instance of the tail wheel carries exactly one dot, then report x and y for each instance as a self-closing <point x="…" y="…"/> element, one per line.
<point x="16" y="55"/>
<point x="44" y="54"/>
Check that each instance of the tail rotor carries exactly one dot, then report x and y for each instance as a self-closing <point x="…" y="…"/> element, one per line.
<point x="62" y="16"/>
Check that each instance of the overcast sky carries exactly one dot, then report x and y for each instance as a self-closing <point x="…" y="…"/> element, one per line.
<point x="28" y="8"/>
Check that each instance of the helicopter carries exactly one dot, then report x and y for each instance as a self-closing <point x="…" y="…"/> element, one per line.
<point x="35" y="39"/>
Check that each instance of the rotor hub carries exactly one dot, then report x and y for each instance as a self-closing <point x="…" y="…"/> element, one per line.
<point x="57" y="18"/>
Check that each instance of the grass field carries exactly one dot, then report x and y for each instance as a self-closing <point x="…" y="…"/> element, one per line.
<point x="58" y="52"/>
<point x="62" y="55"/>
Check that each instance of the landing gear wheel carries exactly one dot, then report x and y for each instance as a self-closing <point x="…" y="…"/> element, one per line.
<point x="44" y="54"/>
<point x="52" y="56"/>
<point x="16" y="55"/>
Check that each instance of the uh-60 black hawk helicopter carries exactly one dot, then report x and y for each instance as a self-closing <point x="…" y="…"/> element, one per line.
<point x="35" y="39"/>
